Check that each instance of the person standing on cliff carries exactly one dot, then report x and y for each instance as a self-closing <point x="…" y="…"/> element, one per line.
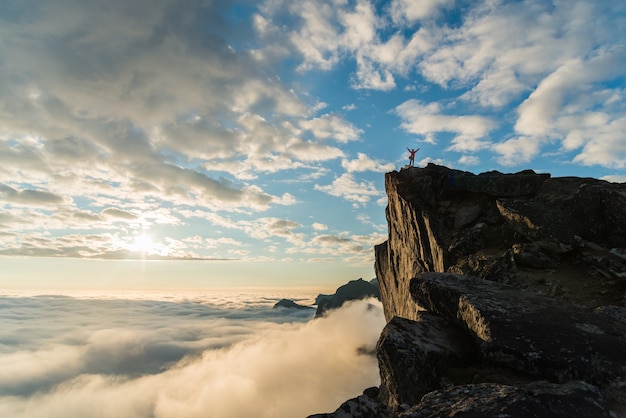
<point x="412" y="156"/>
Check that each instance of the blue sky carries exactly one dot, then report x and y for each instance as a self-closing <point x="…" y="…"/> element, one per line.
<point x="259" y="132"/>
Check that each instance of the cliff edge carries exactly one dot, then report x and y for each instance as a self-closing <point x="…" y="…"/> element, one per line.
<point x="504" y="296"/>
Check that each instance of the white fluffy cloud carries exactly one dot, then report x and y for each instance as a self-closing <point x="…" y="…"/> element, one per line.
<point x="347" y="187"/>
<point x="364" y="163"/>
<point x="204" y="359"/>
<point x="425" y="119"/>
<point x="555" y="60"/>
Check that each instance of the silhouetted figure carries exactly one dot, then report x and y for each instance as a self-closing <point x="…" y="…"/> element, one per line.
<point x="412" y="156"/>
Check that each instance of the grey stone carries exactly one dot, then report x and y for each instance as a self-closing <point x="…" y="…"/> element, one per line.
<point x="532" y="334"/>
<point x="538" y="400"/>
<point x="412" y="356"/>
<point x="363" y="406"/>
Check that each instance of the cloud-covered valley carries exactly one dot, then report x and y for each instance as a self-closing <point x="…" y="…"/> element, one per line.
<point x="216" y="356"/>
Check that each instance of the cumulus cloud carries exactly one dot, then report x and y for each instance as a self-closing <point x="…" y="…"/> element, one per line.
<point x="425" y="119"/>
<point x="571" y="103"/>
<point x="118" y="213"/>
<point x="331" y="126"/>
<point x="551" y="64"/>
<point x="406" y="10"/>
<point x="111" y="113"/>
<point x="347" y="187"/>
<point x="517" y="150"/>
<point x="29" y="196"/>
<point x="319" y="226"/>
<point x="128" y="108"/>
<point x="470" y="160"/>
<point x="182" y="358"/>
<point x="365" y="163"/>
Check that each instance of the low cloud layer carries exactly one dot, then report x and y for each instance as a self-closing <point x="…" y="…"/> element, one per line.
<point x="144" y="358"/>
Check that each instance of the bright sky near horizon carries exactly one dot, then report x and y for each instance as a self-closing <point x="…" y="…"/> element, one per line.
<point x="260" y="131"/>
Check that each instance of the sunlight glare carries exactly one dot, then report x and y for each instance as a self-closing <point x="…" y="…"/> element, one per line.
<point x="144" y="244"/>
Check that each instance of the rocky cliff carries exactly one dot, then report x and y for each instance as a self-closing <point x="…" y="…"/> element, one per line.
<point x="504" y="296"/>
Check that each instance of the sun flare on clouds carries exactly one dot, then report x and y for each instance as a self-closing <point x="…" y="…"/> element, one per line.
<point x="205" y="120"/>
<point x="144" y="244"/>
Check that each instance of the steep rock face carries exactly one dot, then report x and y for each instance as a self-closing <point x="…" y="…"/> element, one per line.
<point x="501" y="227"/>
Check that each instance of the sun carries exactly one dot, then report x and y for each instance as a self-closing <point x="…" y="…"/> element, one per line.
<point x="143" y="244"/>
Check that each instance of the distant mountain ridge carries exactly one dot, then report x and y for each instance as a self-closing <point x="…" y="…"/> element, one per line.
<point x="504" y="295"/>
<point x="353" y="290"/>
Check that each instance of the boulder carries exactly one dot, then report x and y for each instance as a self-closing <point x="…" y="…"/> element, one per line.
<point x="533" y="334"/>
<point x="537" y="400"/>
<point x="413" y="357"/>
<point x="363" y="406"/>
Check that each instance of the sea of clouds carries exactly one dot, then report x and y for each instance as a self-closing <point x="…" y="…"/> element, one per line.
<point x="218" y="355"/>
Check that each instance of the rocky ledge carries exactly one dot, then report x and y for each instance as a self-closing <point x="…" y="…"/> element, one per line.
<point x="504" y="296"/>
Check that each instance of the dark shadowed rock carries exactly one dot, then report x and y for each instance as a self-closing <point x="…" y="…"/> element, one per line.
<point x="353" y="290"/>
<point x="537" y="400"/>
<point x="363" y="406"/>
<point x="289" y="304"/>
<point x="617" y="313"/>
<point x="319" y="298"/>
<point x="532" y="334"/>
<point x="531" y="255"/>
<point x="413" y="356"/>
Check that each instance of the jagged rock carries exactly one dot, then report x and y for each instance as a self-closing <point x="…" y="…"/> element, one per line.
<point x="495" y="268"/>
<point x="531" y="255"/>
<point x="537" y="335"/>
<point x="466" y="215"/>
<point x="617" y="313"/>
<point x="469" y="241"/>
<point x="363" y="406"/>
<point x="538" y="222"/>
<point x="538" y="400"/>
<point x="494" y="226"/>
<point x="413" y="356"/>
<point x="353" y="290"/>
<point x="290" y="304"/>
<point x="596" y="206"/>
